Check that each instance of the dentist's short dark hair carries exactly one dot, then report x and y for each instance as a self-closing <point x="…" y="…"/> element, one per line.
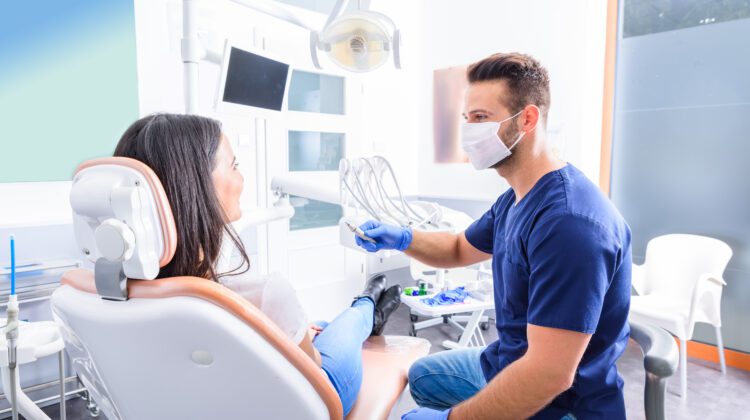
<point x="527" y="80"/>
<point x="181" y="149"/>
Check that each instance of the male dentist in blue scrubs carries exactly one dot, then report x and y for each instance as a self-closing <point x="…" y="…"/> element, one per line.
<point x="561" y="263"/>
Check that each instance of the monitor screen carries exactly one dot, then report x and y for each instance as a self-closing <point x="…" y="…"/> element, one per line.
<point x="254" y="80"/>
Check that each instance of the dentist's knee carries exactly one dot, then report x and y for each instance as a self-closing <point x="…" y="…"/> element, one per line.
<point x="421" y="382"/>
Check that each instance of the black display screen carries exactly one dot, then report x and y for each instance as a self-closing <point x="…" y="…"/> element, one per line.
<point x="254" y="80"/>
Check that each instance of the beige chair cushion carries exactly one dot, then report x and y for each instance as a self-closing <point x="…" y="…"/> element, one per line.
<point x="386" y="361"/>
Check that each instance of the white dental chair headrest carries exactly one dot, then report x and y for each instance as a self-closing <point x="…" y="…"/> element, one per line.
<point x="121" y="214"/>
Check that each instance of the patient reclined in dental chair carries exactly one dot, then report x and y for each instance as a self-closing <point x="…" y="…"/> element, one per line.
<point x="185" y="347"/>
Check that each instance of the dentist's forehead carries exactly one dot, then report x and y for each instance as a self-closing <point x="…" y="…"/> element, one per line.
<point x="485" y="97"/>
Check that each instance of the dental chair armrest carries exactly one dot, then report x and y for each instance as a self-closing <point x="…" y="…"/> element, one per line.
<point x="660" y="353"/>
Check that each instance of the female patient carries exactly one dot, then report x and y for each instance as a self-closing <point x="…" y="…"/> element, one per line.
<point x="198" y="170"/>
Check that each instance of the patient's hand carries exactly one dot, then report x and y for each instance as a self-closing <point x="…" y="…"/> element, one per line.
<point x="315" y="330"/>
<point x="307" y="344"/>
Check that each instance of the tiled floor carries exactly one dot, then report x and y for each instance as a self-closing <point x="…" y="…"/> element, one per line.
<point x="711" y="395"/>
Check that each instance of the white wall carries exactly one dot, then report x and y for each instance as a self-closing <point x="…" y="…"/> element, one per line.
<point x="567" y="37"/>
<point x="392" y="98"/>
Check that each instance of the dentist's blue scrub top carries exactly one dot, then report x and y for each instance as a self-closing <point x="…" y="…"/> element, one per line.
<point x="561" y="259"/>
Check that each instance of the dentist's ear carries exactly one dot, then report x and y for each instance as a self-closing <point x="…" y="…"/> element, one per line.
<point x="531" y="115"/>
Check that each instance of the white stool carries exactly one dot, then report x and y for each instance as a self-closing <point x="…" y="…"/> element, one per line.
<point x="35" y="340"/>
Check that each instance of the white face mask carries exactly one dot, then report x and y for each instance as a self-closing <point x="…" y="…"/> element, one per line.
<point x="483" y="144"/>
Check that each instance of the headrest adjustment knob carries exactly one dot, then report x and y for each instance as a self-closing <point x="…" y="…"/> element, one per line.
<point x="115" y="240"/>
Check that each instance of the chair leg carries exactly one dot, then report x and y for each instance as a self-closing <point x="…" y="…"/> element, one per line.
<point x="720" y="346"/>
<point x="683" y="370"/>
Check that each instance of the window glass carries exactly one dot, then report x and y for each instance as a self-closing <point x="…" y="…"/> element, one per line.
<point x="680" y="148"/>
<point x="312" y="92"/>
<point x="313" y="151"/>
<point x="643" y="17"/>
<point x="310" y="214"/>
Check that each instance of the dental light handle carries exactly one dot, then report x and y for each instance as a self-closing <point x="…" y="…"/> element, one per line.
<point x="11" y="337"/>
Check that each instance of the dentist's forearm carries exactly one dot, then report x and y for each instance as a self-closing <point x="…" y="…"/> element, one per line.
<point x="517" y="392"/>
<point x="436" y="249"/>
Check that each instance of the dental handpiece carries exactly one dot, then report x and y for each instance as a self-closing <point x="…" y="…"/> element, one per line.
<point x="357" y="231"/>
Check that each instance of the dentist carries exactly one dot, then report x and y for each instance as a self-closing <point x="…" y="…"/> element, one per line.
<point x="561" y="266"/>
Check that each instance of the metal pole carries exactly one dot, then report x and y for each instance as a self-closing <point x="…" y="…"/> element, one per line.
<point x="191" y="55"/>
<point x="11" y="335"/>
<point x="12" y="369"/>
<point x="61" y="363"/>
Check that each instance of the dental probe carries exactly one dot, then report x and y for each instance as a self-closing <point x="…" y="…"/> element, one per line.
<point x="357" y="231"/>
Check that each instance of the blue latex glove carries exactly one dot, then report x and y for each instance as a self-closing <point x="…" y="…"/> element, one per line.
<point x="423" y="413"/>
<point x="385" y="236"/>
<point x="448" y="297"/>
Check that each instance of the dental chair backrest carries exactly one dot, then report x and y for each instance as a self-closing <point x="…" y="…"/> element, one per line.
<point x="180" y="347"/>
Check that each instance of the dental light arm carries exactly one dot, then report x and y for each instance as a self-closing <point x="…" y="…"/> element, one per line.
<point x="259" y="216"/>
<point x="320" y="188"/>
<point x="279" y="11"/>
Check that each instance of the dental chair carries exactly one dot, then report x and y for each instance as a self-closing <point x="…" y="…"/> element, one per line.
<point x="187" y="347"/>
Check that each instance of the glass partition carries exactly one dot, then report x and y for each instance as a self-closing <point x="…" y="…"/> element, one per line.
<point x="313" y="151"/>
<point x="309" y="214"/>
<point x="680" y="148"/>
<point x="313" y="92"/>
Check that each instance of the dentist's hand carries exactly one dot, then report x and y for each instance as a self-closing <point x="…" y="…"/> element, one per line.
<point x="385" y="236"/>
<point x="426" y="414"/>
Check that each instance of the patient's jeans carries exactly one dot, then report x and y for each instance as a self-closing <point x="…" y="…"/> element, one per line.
<point x="445" y="379"/>
<point x="340" y="346"/>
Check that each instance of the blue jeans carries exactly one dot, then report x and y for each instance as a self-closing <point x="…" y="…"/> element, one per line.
<point x="442" y="380"/>
<point x="445" y="379"/>
<point x="340" y="346"/>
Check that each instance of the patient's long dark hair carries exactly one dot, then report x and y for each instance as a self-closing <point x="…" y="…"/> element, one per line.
<point x="181" y="149"/>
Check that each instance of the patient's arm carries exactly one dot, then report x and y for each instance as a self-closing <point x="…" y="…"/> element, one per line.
<point x="307" y="346"/>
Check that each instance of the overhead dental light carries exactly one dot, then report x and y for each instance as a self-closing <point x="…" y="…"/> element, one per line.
<point x="359" y="41"/>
